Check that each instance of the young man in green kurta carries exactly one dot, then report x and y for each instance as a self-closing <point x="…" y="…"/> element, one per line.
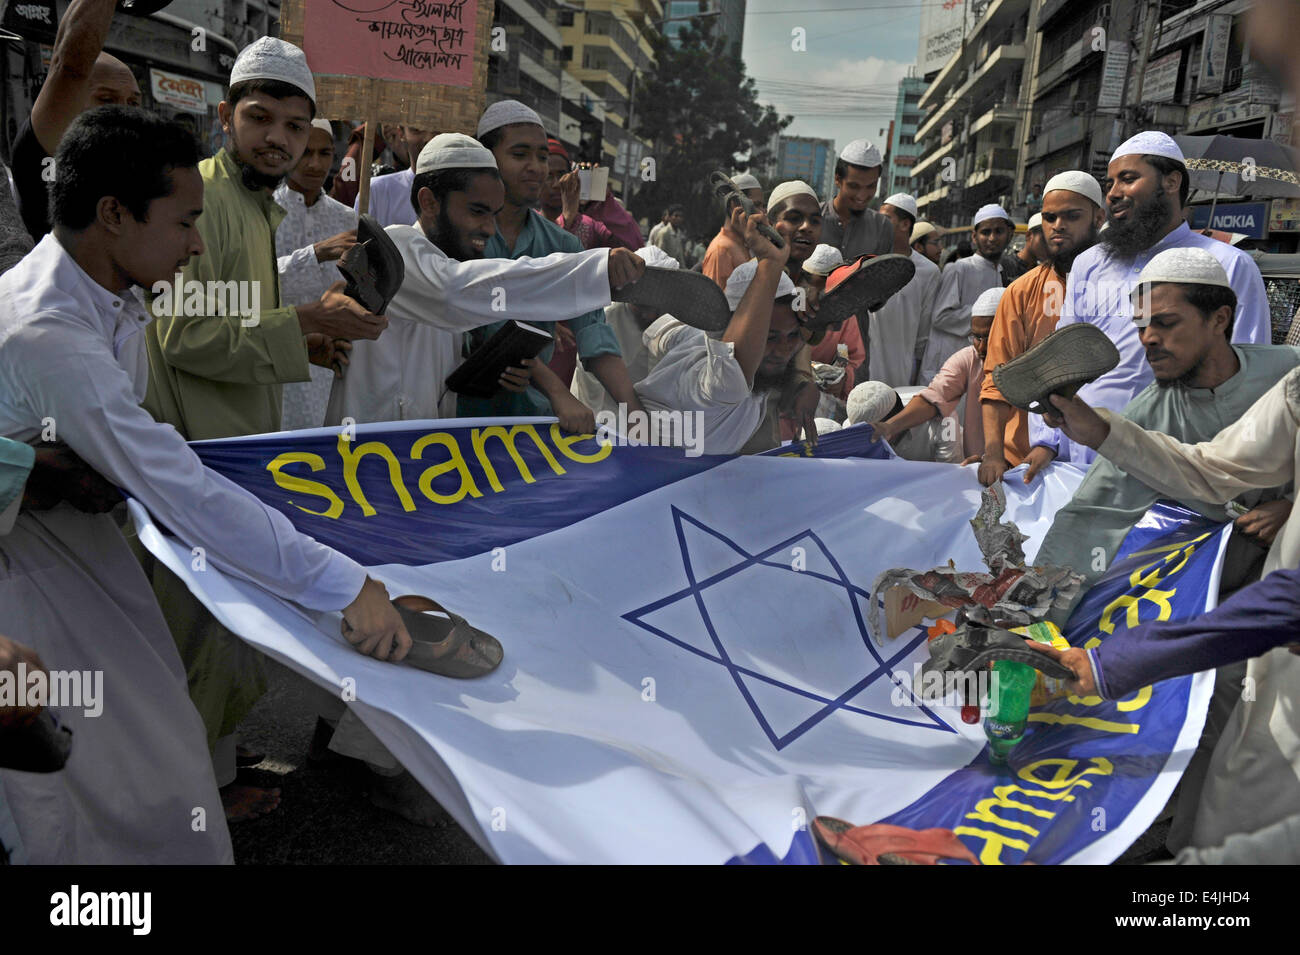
<point x="221" y="347"/>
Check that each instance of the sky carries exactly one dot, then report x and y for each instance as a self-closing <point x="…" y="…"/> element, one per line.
<point x="844" y="85"/>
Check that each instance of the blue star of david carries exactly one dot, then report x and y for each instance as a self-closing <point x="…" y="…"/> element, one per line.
<point x="857" y="596"/>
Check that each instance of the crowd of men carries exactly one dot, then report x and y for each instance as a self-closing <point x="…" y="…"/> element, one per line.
<point x="108" y="366"/>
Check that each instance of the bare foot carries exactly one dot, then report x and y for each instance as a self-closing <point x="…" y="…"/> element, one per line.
<point x="243" y="802"/>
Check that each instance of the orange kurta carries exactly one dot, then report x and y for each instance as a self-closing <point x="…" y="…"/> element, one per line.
<point x="1028" y="313"/>
<point x="725" y="254"/>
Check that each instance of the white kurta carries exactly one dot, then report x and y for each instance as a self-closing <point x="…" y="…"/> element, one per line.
<point x="692" y="372"/>
<point x="390" y="199"/>
<point x="305" y="279"/>
<point x="1254" y="775"/>
<point x="586" y="387"/>
<point x="960" y="284"/>
<point x="899" y="332"/>
<point x="73" y="352"/>
<point x="402" y="374"/>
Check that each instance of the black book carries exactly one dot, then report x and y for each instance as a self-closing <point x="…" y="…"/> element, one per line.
<point x="479" y="375"/>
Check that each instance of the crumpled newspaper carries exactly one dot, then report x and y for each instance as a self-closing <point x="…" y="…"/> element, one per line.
<point x="828" y="376"/>
<point x="1014" y="594"/>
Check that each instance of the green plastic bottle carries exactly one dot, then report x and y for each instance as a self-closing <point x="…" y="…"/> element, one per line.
<point x="1008" y="707"/>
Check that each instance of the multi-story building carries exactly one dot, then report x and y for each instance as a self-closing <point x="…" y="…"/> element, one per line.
<point x="729" y="16"/>
<point x="970" y="133"/>
<point x="608" y="45"/>
<point x="903" y="147"/>
<point x="812" y="160"/>
<point x="529" y="69"/>
<point x="181" y="57"/>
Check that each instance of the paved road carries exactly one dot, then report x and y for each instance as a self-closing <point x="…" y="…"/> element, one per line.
<point x="324" y="816"/>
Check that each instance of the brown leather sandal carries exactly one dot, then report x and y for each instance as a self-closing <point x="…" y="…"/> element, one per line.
<point x="446" y="646"/>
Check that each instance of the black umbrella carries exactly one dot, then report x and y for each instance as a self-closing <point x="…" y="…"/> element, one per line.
<point x="1255" y="167"/>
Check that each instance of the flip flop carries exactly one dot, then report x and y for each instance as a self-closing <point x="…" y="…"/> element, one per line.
<point x="373" y="267"/>
<point x="860" y="286"/>
<point x="1060" y="364"/>
<point x="690" y="297"/>
<point x="883" y="844"/>
<point x="726" y="190"/>
<point x="448" y="647"/>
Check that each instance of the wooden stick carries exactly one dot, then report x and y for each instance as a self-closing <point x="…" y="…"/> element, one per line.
<point x="368" y="145"/>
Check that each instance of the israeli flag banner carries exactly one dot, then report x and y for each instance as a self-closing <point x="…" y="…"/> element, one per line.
<point x="688" y="673"/>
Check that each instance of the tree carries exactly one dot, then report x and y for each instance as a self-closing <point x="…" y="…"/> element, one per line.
<point x="700" y="112"/>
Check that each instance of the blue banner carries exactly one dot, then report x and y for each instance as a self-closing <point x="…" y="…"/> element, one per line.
<point x="414" y="494"/>
<point x="1085" y="762"/>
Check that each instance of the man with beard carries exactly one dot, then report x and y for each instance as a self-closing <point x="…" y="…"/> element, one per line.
<point x="315" y="233"/>
<point x="81" y="77"/>
<point x="730" y="378"/>
<point x="848" y="224"/>
<point x="898" y="332"/>
<point x="72" y="320"/>
<point x="517" y="140"/>
<point x="390" y="195"/>
<point x="217" y="373"/>
<point x="1217" y="425"/>
<point x="1147" y="188"/>
<point x="450" y="288"/>
<point x="1072" y="214"/>
<point x="1183" y="321"/>
<point x="960" y="284"/>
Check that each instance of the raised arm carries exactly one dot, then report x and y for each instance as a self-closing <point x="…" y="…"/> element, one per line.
<point x="64" y="94"/>
<point x="750" y="323"/>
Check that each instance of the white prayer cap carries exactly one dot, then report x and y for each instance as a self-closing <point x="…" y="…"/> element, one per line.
<point x="788" y="189"/>
<point x="745" y="181"/>
<point x="860" y="152"/>
<point x="826" y="425"/>
<point x="824" y="258"/>
<point x="743" y="274"/>
<point x="1079" y="182"/>
<point x="273" y="59"/>
<point x="991" y="211"/>
<point x="1150" y="142"/>
<point x="902" y="201"/>
<point x="1035" y="222"/>
<point x="506" y="113"/>
<point x="870" y="402"/>
<point x="454" y="151"/>
<point x="921" y="231"/>
<point x="1191" y="266"/>
<point x="987" y="303"/>
<point x="324" y="126"/>
<point x="657" y="257"/>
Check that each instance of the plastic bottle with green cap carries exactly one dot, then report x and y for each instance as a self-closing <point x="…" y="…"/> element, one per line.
<point x="1009" y="695"/>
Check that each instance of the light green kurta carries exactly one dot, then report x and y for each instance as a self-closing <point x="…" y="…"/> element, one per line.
<point x="1109" y="501"/>
<point x="215" y="375"/>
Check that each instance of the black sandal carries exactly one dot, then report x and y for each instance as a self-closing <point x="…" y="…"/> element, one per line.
<point x="690" y="297"/>
<point x="373" y="267"/>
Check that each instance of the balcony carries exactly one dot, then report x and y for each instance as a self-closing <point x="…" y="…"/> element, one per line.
<point x="1005" y="59"/>
<point x="929" y="162"/>
<point x="996" y="115"/>
<point x="1000" y="161"/>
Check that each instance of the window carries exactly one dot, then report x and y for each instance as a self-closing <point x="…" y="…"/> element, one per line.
<point x="566" y="18"/>
<point x="567" y="54"/>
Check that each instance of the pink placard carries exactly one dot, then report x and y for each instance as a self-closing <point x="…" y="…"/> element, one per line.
<point x="416" y="41"/>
